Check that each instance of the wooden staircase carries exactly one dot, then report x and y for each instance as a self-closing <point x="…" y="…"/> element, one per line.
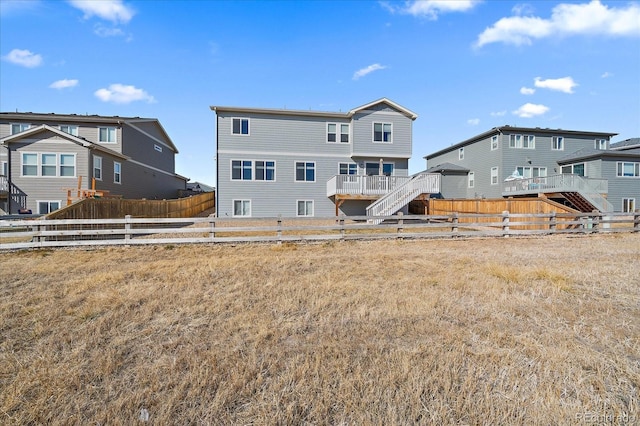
<point x="579" y="202"/>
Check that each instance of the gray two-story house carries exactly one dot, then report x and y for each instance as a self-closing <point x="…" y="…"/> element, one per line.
<point x="308" y="163"/>
<point x="44" y="158"/>
<point x="520" y="161"/>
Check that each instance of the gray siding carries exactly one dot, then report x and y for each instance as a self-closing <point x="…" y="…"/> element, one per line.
<point x="287" y="139"/>
<point x="140" y="147"/>
<point x="620" y="187"/>
<point x="40" y="188"/>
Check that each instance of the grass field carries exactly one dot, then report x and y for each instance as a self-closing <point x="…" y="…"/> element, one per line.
<point x="486" y="331"/>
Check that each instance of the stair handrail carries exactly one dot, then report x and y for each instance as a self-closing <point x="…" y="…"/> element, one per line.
<point x="403" y="194"/>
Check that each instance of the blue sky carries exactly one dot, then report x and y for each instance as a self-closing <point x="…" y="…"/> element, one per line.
<point x="462" y="66"/>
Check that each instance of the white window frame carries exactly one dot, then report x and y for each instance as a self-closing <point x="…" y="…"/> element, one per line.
<point x="471" y="180"/>
<point x="620" y="172"/>
<point x="60" y="165"/>
<point x="373" y="132"/>
<point x="515" y="141"/>
<point x="557" y="143"/>
<point x="349" y="168"/>
<point x="252" y="167"/>
<point x="72" y="129"/>
<point x="495" y="172"/>
<point x="44" y="155"/>
<point x="22" y="164"/>
<point x="240" y="133"/>
<point x="572" y="168"/>
<point x="306" y="205"/>
<point x="4" y="168"/>
<point x="494" y="142"/>
<point x="334" y="133"/>
<point x="22" y="126"/>
<point x="97" y="165"/>
<point x="109" y="130"/>
<point x="600" y="144"/>
<point x="306" y="163"/>
<point x="461" y="153"/>
<point x="628" y="205"/>
<point x="117" y="172"/>
<point x="157" y="147"/>
<point x="384" y="163"/>
<point x="265" y="169"/>
<point x="528" y="172"/>
<point x="342" y="133"/>
<point x="49" y="210"/>
<point x="528" y="142"/>
<point x="242" y="201"/>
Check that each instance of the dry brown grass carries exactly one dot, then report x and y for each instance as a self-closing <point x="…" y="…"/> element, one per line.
<point x="494" y="331"/>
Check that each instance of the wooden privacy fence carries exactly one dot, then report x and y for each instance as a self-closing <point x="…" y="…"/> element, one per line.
<point x="136" y="231"/>
<point x="114" y="208"/>
<point x="535" y="205"/>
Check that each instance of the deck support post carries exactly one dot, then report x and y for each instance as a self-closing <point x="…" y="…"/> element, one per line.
<point x="400" y="224"/>
<point x="636" y="220"/>
<point x="552" y="223"/>
<point x="212" y="226"/>
<point x="454" y="227"/>
<point x="597" y="217"/>
<point x="127" y="227"/>
<point x="279" y="229"/>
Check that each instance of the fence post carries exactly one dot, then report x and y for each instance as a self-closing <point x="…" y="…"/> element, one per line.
<point x="127" y="227"/>
<point x="505" y="223"/>
<point x="595" y="221"/>
<point x="636" y="220"/>
<point x="341" y="223"/>
<point x="552" y="223"/>
<point x="454" y="227"/>
<point x="279" y="229"/>
<point x="212" y="227"/>
<point x="400" y="224"/>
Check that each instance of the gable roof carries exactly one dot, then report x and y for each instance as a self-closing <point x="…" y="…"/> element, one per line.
<point x="75" y="139"/>
<point x="79" y="118"/>
<point x="311" y="113"/>
<point x="625" y="144"/>
<point x="447" y="167"/>
<point x="515" y="129"/>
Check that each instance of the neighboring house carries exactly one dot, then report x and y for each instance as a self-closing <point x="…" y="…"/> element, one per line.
<point x="42" y="156"/>
<point x="199" y="187"/>
<point x="479" y="166"/>
<point x="619" y="166"/>
<point x="306" y="163"/>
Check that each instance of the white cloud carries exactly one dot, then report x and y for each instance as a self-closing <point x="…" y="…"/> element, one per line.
<point x="121" y="94"/>
<point x="103" y="31"/>
<point x="565" y="84"/>
<point x="63" y="84"/>
<point x="499" y="113"/>
<point x="529" y="110"/>
<point x="430" y="9"/>
<point x="111" y="10"/>
<point x="592" y="18"/>
<point x="367" y="70"/>
<point x="527" y="90"/>
<point x="606" y="74"/>
<point x="24" y="58"/>
<point x="522" y="9"/>
<point x="473" y="121"/>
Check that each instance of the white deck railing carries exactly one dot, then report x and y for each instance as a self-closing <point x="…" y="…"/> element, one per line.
<point x="590" y="189"/>
<point x="423" y="183"/>
<point x="4" y="184"/>
<point x="363" y="185"/>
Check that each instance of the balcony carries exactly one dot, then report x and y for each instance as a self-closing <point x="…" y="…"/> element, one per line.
<point x="363" y="187"/>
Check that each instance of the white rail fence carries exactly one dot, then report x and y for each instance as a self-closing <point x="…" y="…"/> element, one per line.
<point x="25" y="234"/>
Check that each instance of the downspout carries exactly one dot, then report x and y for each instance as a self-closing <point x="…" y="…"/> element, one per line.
<point x="217" y="192"/>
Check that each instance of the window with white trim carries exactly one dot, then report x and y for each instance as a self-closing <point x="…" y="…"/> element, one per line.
<point x="628" y="169"/>
<point x="48" y="164"/>
<point x="574" y="169"/>
<point x="304" y="208"/>
<point x="461" y="153"/>
<point x="332" y="133"/>
<point x="344" y="133"/>
<point x="471" y="179"/>
<point x="47" y="206"/>
<point x="157" y="147"/>
<point x="240" y="126"/>
<point x="348" y="169"/>
<point x="305" y="171"/>
<point x="4" y="168"/>
<point x="494" y="176"/>
<point x="382" y="132"/>
<point x="532" y="172"/>
<point x="68" y="128"/>
<point x="557" y="143"/>
<point x="19" y="127"/>
<point x="494" y="142"/>
<point x="117" y="172"/>
<point x="260" y="170"/>
<point x="628" y="205"/>
<point x="29" y="164"/>
<point x="522" y="141"/>
<point x="97" y="167"/>
<point x="600" y="144"/>
<point x="242" y="208"/>
<point x="107" y="134"/>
